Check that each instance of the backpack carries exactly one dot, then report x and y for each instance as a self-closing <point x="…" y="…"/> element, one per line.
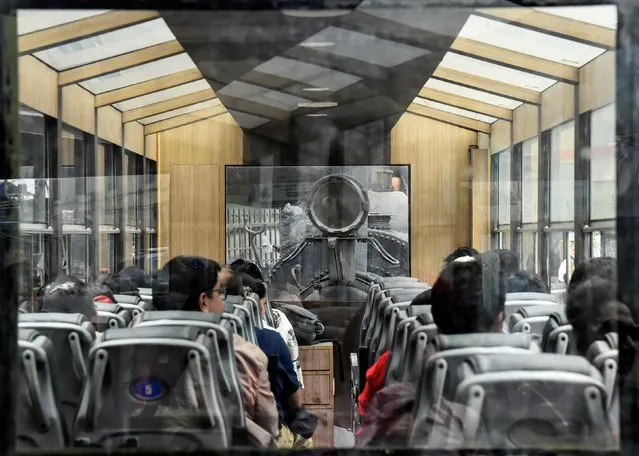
<point x="305" y="324"/>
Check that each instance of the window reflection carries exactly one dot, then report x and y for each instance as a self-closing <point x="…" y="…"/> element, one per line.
<point x="562" y="169"/>
<point x="31" y="190"/>
<point x="602" y="164"/>
<point x="73" y="172"/>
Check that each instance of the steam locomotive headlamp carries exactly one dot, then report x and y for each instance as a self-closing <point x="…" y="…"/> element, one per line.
<point x="338" y="205"/>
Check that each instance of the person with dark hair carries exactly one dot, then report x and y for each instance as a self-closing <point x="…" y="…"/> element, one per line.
<point x="66" y="294"/>
<point x="253" y="279"/>
<point x="508" y="262"/>
<point x="100" y="293"/>
<point x="469" y="296"/>
<point x="191" y="283"/>
<point x="131" y="278"/>
<point x="460" y="252"/>
<point x="526" y="282"/>
<point x="285" y="385"/>
<point x="590" y="304"/>
<point x="604" y="267"/>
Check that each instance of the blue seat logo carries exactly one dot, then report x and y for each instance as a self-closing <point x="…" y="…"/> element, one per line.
<point x="149" y="389"/>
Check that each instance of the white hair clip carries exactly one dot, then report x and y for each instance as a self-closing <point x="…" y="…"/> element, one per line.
<point x="464" y="259"/>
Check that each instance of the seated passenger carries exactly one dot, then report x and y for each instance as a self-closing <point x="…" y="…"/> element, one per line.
<point x="508" y="262"/>
<point x="460" y="252"/>
<point x="286" y="388"/>
<point x="604" y="267"/>
<point x="376" y="374"/>
<point x="66" y="294"/>
<point x="468" y="297"/>
<point x="191" y="283"/>
<point x="589" y="305"/>
<point x="280" y="322"/>
<point x="526" y="282"/>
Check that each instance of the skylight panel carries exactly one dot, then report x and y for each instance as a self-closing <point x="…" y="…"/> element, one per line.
<point x="474" y="94"/>
<point x="140" y="73"/>
<point x="180" y="111"/>
<point x="455" y="110"/>
<point x="106" y="45"/>
<point x="163" y="95"/>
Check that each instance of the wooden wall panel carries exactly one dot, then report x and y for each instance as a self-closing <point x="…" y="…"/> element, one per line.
<point x="499" y="136"/>
<point x="195" y="201"/>
<point x="134" y="137"/>
<point x="440" y="190"/>
<point x="151" y="146"/>
<point x="110" y="125"/>
<point x="38" y="85"/>
<point x="77" y="108"/>
<point x="481" y="199"/>
<point x="597" y="82"/>
<point x="216" y="141"/>
<point x="525" y="122"/>
<point x="557" y="105"/>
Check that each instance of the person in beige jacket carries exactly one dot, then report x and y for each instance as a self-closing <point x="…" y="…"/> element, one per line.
<point x="191" y="283"/>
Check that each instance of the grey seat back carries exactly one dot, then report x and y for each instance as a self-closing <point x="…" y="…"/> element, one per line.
<point x="512" y="307"/>
<point x="604" y="355"/>
<point x="557" y="335"/>
<point x="399" y="348"/>
<point x="376" y="293"/>
<point x="416" y="351"/>
<point x="385" y="298"/>
<point x="537" y="401"/>
<point x="253" y="303"/>
<point x="222" y="346"/>
<point x="126" y="301"/>
<point x="532" y="320"/>
<point x="72" y="336"/>
<point x="153" y="387"/>
<point x="112" y="316"/>
<point x="38" y="422"/>
<point x="438" y="378"/>
<point x="392" y="317"/>
<point x="247" y="321"/>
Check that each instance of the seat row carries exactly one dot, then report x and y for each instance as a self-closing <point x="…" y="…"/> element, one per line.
<point x="167" y="368"/>
<point x="505" y="399"/>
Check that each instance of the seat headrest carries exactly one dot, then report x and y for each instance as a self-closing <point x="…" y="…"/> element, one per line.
<point x="532" y="297"/>
<point x="126" y="299"/>
<point x="502" y="362"/>
<point x="539" y="311"/>
<point x="155" y="315"/>
<point x="558" y="317"/>
<point x="455" y="341"/>
<point x="405" y="295"/>
<point x="53" y="317"/>
<point x="152" y="332"/>
<point x="107" y="307"/>
<point x="413" y="311"/>
<point x="28" y="335"/>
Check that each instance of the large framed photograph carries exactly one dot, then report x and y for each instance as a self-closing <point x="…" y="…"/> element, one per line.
<point x="315" y="229"/>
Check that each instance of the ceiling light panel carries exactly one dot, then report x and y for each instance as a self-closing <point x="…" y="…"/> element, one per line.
<point x="260" y="95"/>
<point x="307" y="73"/>
<point x="367" y="48"/>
